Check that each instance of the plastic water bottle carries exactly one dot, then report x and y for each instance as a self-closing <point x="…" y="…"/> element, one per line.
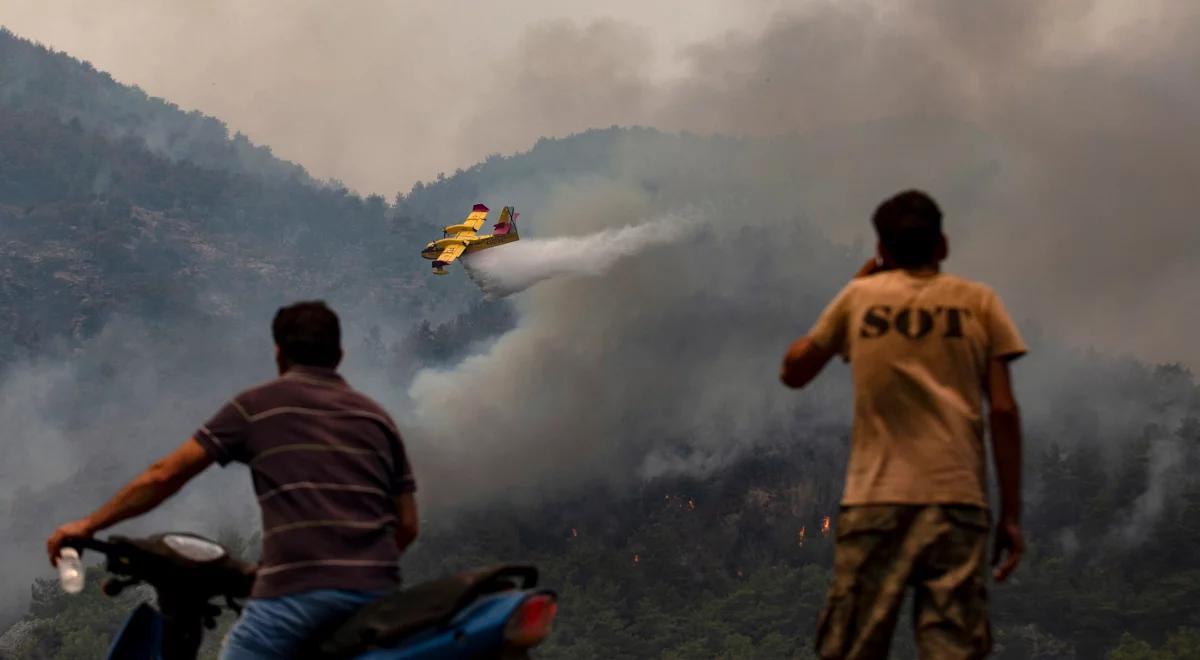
<point x="70" y="571"/>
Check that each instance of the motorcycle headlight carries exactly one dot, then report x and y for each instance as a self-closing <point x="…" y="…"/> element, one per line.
<point x="194" y="548"/>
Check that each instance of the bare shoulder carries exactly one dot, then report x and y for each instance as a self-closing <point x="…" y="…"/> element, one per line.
<point x="866" y="283"/>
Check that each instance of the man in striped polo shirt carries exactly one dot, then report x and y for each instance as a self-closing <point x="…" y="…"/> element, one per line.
<point x="332" y="480"/>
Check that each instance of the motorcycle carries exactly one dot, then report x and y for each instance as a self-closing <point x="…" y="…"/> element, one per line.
<point x="494" y="612"/>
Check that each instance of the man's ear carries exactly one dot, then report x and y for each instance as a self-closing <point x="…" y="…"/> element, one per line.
<point x="885" y="255"/>
<point x="943" y="249"/>
<point x="281" y="362"/>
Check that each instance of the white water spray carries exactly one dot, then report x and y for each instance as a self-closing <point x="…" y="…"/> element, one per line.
<point x="517" y="266"/>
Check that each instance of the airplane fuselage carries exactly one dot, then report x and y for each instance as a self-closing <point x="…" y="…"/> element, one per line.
<point x="475" y="244"/>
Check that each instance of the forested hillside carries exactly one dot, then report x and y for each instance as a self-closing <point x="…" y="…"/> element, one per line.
<point x="99" y="219"/>
<point x="143" y="250"/>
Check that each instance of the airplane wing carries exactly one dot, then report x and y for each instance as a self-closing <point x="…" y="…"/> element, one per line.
<point x="477" y="217"/>
<point x="449" y="254"/>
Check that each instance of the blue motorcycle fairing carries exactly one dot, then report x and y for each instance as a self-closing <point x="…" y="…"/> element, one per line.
<point x="474" y="631"/>
<point x="140" y="637"/>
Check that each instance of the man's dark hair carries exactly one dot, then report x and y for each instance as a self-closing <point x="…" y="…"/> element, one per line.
<point x="308" y="333"/>
<point x="910" y="227"/>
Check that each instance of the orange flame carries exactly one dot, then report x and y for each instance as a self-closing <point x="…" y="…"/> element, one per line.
<point x="574" y="533"/>
<point x="825" y="526"/>
<point x="803" y="534"/>
<point x="636" y="559"/>
<point x="691" y="504"/>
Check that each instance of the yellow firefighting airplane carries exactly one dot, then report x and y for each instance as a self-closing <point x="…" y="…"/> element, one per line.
<point x="463" y="238"/>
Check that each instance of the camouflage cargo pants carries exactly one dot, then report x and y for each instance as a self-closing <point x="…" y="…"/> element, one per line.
<point x="940" y="551"/>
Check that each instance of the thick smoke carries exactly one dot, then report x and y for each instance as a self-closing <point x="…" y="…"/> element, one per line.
<point x="1088" y="109"/>
<point x="79" y="426"/>
<point x="668" y="363"/>
<point x="1058" y="138"/>
<point x="522" y="264"/>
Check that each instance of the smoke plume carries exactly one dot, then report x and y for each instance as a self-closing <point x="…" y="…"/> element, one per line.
<point x="1086" y="116"/>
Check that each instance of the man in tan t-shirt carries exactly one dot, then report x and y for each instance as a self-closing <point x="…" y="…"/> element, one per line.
<point x="925" y="348"/>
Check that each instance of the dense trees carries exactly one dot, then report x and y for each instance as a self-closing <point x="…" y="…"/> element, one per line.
<point x="92" y="226"/>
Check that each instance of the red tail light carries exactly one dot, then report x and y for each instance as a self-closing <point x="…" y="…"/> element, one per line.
<point x="531" y="623"/>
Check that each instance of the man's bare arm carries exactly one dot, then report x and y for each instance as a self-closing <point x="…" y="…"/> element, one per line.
<point x="805" y="358"/>
<point x="803" y="361"/>
<point x="409" y="521"/>
<point x="146" y="491"/>
<point x="1005" y="419"/>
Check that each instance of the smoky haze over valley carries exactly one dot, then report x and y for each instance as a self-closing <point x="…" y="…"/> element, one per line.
<point x="1087" y="109"/>
<point x="1060" y="138"/>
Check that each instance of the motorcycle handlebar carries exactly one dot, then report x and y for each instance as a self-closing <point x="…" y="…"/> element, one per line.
<point x="88" y="543"/>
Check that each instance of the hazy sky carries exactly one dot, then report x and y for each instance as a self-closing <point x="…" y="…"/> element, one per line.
<point x="373" y="92"/>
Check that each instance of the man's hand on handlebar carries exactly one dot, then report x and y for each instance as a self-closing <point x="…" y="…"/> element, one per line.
<point x="146" y="491"/>
<point x="79" y="529"/>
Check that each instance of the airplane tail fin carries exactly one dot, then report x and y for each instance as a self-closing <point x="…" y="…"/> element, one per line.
<point x="507" y="223"/>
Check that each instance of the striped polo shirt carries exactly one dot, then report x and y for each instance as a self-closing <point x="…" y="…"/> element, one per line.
<point x="327" y="464"/>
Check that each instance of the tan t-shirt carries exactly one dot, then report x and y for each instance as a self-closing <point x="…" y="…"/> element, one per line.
<point x="919" y="347"/>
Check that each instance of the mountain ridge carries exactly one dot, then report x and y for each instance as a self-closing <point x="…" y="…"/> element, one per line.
<point x="37" y="78"/>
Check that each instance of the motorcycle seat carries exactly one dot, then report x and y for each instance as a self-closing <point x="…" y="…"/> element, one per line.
<point x="387" y="621"/>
